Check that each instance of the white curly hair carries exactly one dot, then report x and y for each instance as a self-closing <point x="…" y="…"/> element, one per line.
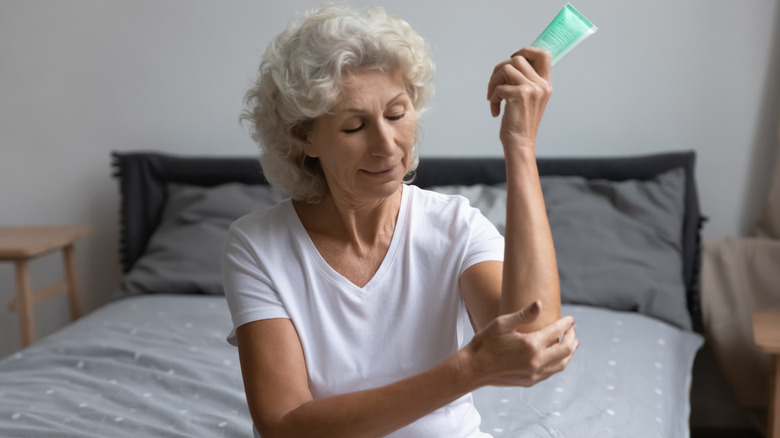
<point x="300" y="79"/>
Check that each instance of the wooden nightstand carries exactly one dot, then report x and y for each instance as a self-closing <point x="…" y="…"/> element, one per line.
<point x="22" y="244"/>
<point x="766" y="332"/>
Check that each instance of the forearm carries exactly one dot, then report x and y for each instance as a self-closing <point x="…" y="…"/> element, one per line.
<point x="379" y="411"/>
<point x="530" y="268"/>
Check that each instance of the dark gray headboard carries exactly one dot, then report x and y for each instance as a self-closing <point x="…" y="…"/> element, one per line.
<point x="143" y="178"/>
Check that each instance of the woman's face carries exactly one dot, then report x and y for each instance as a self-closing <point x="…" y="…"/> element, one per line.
<point x="365" y="142"/>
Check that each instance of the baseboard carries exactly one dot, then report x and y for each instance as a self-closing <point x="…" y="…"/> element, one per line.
<point x="726" y="433"/>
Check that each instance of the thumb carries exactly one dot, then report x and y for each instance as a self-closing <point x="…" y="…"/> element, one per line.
<point x="525" y="315"/>
<point x="529" y="313"/>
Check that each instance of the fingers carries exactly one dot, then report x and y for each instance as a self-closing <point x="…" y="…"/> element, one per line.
<point x="559" y="355"/>
<point x="551" y="334"/>
<point x="501" y="75"/>
<point x="528" y="66"/>
<point x="539" y="58"/>
<point x="513" y="71"/>
<point x="532" y="62"/>
<point x="525" y="67"/>
<point x="551" y="359"/>
<point x="556" y="357"/>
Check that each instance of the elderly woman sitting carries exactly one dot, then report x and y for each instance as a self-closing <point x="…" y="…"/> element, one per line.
<point x="348" y="299"/>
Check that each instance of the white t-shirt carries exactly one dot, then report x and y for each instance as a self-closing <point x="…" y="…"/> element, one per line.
<point x="405" y="320"/>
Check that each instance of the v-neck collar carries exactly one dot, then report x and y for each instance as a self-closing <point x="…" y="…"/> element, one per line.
<point x="335" y="276"/>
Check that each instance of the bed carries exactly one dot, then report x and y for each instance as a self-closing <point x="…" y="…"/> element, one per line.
<point x="154" y="360"/>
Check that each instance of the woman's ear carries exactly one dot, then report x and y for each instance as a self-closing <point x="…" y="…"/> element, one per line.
<point x="301" y="133"/>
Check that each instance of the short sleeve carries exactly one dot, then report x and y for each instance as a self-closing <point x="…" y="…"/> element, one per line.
<point x="485" y="242"/>
<point x="249" y="291"/>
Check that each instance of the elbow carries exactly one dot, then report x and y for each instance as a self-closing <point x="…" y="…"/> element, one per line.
<point x="277" y="430"/>
<point x="271" y="426"/>
<point x="291" y="424"/>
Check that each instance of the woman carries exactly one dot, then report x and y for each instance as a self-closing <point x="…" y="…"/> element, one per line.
<point x="348" y="299"/>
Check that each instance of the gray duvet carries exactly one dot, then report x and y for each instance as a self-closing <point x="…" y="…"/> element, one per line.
<point x="159" y="366"/>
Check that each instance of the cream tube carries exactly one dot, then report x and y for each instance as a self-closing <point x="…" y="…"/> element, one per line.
<point x="565" y="32"/>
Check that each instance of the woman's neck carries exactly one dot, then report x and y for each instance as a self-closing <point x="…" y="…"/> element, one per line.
<point x="359" y="223"/>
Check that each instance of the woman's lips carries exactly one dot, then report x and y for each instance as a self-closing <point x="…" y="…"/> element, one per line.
<point x="383" y="172"/>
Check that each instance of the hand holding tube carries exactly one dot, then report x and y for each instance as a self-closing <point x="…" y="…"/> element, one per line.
<point x="523" y="83"/>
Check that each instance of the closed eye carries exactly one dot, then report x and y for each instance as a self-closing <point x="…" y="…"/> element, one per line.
<point x="352" y="131"/>
<point x="391" y="118"/>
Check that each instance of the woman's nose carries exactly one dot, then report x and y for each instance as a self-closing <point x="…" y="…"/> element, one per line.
<point x="383" y="141"/>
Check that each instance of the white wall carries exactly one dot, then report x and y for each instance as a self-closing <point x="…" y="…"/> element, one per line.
<point x="81" y="78"/>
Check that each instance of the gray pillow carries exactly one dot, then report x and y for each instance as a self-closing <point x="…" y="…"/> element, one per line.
<point x="618" y="244"/>
<point x="183" y="255"/>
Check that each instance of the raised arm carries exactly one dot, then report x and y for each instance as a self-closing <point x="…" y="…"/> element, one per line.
<point x="530" y="270"/>
<point x="281" y="405"/>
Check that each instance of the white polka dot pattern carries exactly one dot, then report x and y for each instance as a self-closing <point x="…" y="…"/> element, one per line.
<point x="159" y="366"/>
<point x="147" y="366"/>
<point x="629" y="378"/>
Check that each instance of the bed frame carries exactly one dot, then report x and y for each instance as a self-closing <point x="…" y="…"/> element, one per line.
<point x="143" y="178"/>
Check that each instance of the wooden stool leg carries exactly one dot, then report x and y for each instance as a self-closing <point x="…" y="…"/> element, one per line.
<point x="73" y="286"/>
<point x="774" y="398"/>
<point x="24" y="305"/>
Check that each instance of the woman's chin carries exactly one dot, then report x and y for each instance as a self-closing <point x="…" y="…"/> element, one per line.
<point x="386" y="189"/>
<point x="381" y="187"/>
